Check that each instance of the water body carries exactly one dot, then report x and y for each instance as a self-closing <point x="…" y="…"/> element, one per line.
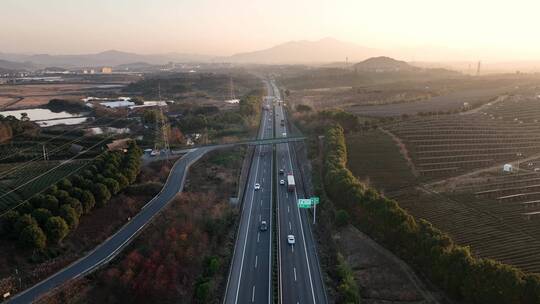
<point x="47" y="118"/>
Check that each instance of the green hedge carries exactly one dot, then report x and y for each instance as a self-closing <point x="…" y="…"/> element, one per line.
<point x="59" y="209"/>
<point x="423" y="246"/>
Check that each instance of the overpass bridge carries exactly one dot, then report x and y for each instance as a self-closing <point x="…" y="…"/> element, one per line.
<point x="251" y="142"/>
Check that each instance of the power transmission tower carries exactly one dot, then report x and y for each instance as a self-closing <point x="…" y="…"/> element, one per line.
<point x="231" y="87"/>
<point x="161" y="128"/>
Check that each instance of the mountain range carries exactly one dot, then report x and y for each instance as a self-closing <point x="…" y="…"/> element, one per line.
<point x="293" y="52"/>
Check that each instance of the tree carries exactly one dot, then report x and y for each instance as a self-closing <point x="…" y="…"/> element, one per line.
<point x="7" y="223"/>
<point x="303" y="108"/>
<point x="101" y="194"/>
<point x="41" y="215"/>
<point x="70" y="216"/>
<point x="75" y="204"/>
<point x="56" y="229"/>
<point x="88" y="201"/>
<point x="342" y="218"/>
<point x="33" y="237"/>
<point x="24" y="221"/>
<point x="112" y="185"/>
<point x="64" y="184"/>
<point x="50" y="202"/>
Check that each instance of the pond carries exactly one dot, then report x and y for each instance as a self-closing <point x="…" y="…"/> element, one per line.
<point x="47" y="118"/>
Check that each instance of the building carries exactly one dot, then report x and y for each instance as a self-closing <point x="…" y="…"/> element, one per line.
<point x="508" y="168"/>
<point x="106" y="70"/>
<point x="119" y="145"/>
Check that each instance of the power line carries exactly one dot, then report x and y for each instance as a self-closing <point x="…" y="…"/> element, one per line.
<point x="46" y="154"/>
<point x="49" y="140"/>
<point x="50" y="170"/>
<point x="53" y="168"/>
<point x="40" y="191"/>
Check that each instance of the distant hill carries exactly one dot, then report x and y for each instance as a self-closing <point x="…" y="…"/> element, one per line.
<point x="107" y="58"/>
<point x="383" y="64"/>
<point x="16" y="66"/>
<point x="306" y="52"/>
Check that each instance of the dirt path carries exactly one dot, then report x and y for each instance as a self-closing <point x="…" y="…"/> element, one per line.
<point x="451" y="182"/>
<point x="403" y="150"/>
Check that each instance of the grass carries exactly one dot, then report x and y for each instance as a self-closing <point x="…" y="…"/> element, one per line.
<point x="373" y="156"/>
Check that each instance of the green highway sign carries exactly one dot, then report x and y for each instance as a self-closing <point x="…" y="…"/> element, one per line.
<point x="314" y="200"/>
<point x="304" y="203"/>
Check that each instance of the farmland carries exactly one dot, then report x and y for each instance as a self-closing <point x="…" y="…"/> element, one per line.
<point x="461" y="188"/>
<point x="27" y="180"/>
<point x="23" y="96"/>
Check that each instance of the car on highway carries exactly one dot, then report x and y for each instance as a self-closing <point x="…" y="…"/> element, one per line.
<point x="263" y="226"/>
<point x="282" y="182"/>
<point x="290" y="239"/>
<point x="281" y="171"/>
<point x="257" y="186"/>
<point x="284" y="134"/>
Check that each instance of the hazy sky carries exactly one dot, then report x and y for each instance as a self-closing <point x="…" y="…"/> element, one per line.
<point x="499" y="29"/>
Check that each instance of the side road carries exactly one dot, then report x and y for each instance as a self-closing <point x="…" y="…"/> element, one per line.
<point x="114" y="244"/>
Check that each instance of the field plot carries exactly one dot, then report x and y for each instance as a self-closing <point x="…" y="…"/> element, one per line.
<point x="28" y="180"/>
<point x="374" y="157"/>
<point x="31" y="95"/>
<point x="496" y="213"/>
<point x="453" y="144"/>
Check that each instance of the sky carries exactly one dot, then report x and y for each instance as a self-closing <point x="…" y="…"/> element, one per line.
<point x="502" y="30"/>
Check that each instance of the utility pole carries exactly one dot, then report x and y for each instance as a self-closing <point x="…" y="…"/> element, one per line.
<point x="478" y="68"/>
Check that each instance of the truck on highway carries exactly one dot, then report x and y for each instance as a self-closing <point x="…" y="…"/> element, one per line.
<point x="290" y="182"/>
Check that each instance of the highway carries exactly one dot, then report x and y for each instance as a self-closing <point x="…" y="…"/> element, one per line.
<point x="299" y="270"/>
<point x="114" y="244"/>
<point x="249" y="278"/>
<point x="250" y="274"/>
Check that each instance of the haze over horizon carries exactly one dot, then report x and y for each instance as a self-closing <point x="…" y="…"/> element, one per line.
<point x="460" y="30"/>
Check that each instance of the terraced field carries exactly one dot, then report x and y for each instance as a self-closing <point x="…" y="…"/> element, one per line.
<point x="453" y="144"/>
<point x="497" y="214"/>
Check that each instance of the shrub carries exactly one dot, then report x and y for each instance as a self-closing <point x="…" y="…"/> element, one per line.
<point x="33" y="237"/>
<point x="56" y="229"/>
<point x="70" y="216"/>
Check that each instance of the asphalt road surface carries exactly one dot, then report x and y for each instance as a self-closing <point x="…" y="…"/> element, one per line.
<point x="114" y="244"/>
<point x="249" y="278"/>
<point x="299" y="270"/>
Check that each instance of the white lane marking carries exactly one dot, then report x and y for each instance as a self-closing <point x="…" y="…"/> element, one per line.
<point x="259" y="217"/>
<point x="247" y="230"/>
<point x="302" y="231"/>
<point x="263" y="180"/>
<point x="288" y="209"/>
<point x="256" y="260"/>
<point x="258" y="236"/>
<point x="290" y="226"/>
<point x="261" y="202"/>
<point x="287" y="194"/>
<point x="294" y="273"/>
<point x="253" y="295"/>
<point x="292" y="248"/>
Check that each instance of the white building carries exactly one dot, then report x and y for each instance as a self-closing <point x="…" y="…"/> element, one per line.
<point x="508" y="168"/>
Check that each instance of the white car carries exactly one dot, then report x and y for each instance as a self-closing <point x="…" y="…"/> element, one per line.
<point x="282" y="182"/>
<point x="257" y="186"/>
<point x="290" y="239"/>
<point x="284" y="134"/>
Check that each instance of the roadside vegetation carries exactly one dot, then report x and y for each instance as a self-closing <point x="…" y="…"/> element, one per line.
<point x="426" y="248"/>
<point x="48" y="218"/>
<point x="183" y="256"/>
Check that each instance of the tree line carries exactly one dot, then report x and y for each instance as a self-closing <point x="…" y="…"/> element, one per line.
<point x="450" y="266"/>
<point x="47" y="218"/>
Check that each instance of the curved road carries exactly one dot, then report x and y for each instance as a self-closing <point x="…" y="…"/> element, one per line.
<point x="114" y="244"/>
